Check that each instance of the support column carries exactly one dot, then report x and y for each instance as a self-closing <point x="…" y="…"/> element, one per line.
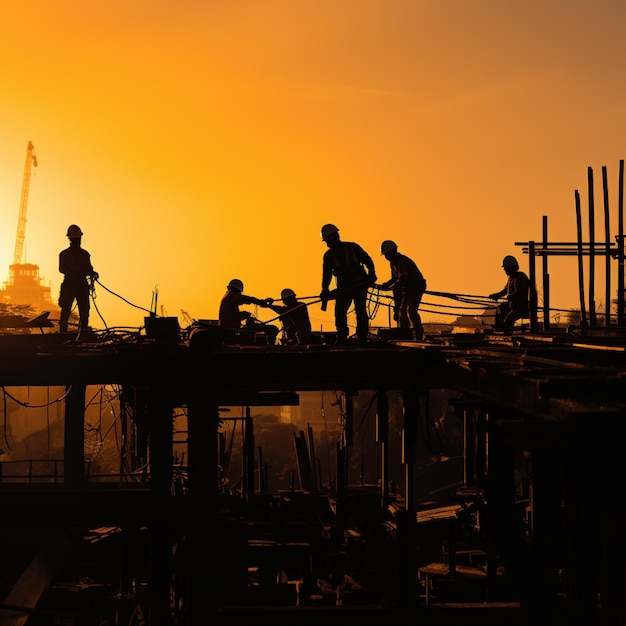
<point x="382" y="437"/>
<point x="161" y="430"/>
<point x="203" y="539"/>
<point x="409" y="442"/>
<point x="74" y="445"/>
<point x="247" y="459"/>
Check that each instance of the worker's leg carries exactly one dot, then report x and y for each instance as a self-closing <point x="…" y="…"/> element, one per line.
<point x="271" y="332"/>
<point x="342" y="304"/>
<point x="508" y="323"/>
<point x="403" y="317"/>
<point x="82" y="301"/>
<point x="413" y="314"/>
<point x="362" y="319"/>
<point x="66" y="300"/>
<point x="502" y="310"/>
<point x="65" y="316"/>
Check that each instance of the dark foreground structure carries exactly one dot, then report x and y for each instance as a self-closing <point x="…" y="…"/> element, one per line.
<point x="534" y="532"/>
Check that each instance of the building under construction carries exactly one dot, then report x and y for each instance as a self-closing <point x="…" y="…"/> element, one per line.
<point x="526" y="526"/>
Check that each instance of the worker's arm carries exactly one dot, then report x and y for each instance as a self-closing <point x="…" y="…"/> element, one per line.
<point x="388" y="284"/>
<point x="367" y="260"/>
<point x="252" y="300"/>
<point x="327" y="275"/>
<point x="498" y="294"/>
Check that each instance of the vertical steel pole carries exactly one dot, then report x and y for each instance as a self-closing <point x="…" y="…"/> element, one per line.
<point x="620" y="246"/>
<point x="545" y="276"/>
<point x="581" y="275"/>
<point x="532" y="277"/>
<point x="607" y="255"/>
<point x="592" y="249"/>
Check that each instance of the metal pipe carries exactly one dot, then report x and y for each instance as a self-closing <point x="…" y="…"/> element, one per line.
<point x="532" y="277"/>
<point x="581" y="281"/>
<point x="545" y="277"/>
<point x="592" y="258"/>
<point x="620" y="246"/>
<point x="607" y="257"/>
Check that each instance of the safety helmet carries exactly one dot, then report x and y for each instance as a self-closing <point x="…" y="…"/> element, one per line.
<point x="387" y="246"/>
<point x="328" y="230"/>
<point x="287" y="293"/>
<point x="509" y="261"/>
<point x="236" y="284"/>
<point x="74" y="231"/>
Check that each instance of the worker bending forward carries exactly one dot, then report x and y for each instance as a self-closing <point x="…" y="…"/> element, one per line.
<point x="408" y="286"/>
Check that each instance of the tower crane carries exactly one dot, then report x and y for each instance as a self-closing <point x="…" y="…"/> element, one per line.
<point x="31" y="160"/>
<point x="24" y="285"/>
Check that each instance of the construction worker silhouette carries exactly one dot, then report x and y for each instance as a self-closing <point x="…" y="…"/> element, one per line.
<point x="354" y="273"/>
<point x="240" y="327"/>
<point x="295" y="319"/>
<point x="75" y="265"/>
<point x="516" y="291"/>
<point x="408" y="286"/>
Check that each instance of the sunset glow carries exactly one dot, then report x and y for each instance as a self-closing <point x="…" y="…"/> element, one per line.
<point x="198" y="141"/>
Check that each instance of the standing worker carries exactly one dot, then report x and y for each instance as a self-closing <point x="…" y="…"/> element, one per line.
<point x="237" y="324"/>
<point x="408" y="286"/>
<point x="516" y="291"/>
<point x="354" y="273"/>
<point x="75" y="265"/>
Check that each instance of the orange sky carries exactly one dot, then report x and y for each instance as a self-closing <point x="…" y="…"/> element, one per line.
<point x="198" y="141"/>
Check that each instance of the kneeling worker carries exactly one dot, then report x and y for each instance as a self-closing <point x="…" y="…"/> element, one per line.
<point x="231" y="318"/>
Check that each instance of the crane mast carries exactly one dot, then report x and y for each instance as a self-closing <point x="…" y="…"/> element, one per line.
<point x="31" y="160"/>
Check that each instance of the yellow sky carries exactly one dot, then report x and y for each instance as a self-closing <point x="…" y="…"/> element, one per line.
<point x="198" y="141"/>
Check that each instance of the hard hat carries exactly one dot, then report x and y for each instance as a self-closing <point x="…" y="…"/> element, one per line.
<point x="287" y="293"/>
<point x="74" y="231"/>
<point x="387" y="246"/>
<point x="509" y="261"/>
<point x="328" y="230"/>
<point x="235" y="283"/>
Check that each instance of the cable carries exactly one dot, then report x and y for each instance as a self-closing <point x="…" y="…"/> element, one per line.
<point x="35" y="406"/>
<point x="124" y="299"/>
<point x="373" y="301"/>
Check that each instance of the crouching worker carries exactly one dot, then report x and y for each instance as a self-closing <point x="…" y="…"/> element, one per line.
<point x="241" y="327"/>
<point x="516" y="291"/>
<point x="294" y="316"/>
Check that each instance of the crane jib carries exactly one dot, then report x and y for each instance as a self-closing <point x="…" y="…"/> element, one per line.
<point x="31" y="160"/>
